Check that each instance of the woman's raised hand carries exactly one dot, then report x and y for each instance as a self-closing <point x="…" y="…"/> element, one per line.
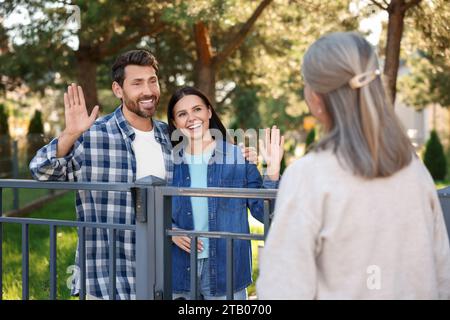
<point x="272" y="150"/>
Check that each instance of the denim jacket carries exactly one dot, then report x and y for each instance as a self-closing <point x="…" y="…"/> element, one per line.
<point x="226" y="168"/>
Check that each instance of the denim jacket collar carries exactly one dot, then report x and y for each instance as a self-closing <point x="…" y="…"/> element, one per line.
<point x="221" y="149"/>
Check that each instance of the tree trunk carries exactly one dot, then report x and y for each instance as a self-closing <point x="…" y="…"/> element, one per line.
<point x="86" y="74"/>
<point x="397" y="10"/>
<point x="204" y="72"/>
<point x="394" y="38"/>
<point x="205" y="80"/>
<point x="209" y="62"/>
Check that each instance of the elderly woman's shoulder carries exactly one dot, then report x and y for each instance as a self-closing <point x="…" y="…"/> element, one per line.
<point x="315" y="158"/>
<point x="315" y="161"/>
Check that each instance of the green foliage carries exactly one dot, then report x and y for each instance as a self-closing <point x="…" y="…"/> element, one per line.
<point x="245" y="109"/>
<point x="35" y="135"/>
<point x="434" y="157"/>
<point x="4" y="127"/>
<point x="36" y="126"/>
<point x="310" y="138"/>
<point x="427" y="53"/>
<point x="5" y="145"/>
<point x="269" y="56"/>
<point x="107" y="27"/>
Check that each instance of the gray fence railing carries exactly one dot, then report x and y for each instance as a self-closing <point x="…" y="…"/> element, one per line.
<point x="15" y="157"/>
<point x="153" y="228"/>
<point x="164" y="232"/>
<point x="153" y="234"/>
<point x="444" y="199"/>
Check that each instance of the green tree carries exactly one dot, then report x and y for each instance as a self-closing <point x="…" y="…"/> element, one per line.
<point x="310" y="138"/>
<point x="5" y="144"/>
<point x="4" y="127"/>
<point x="434" y="157"/>
<point x="427" y="43"/>
<point x="35" y="136"/>
<point x="226" y="41"/>
<point x="246" y="111"/>
<point x="397" y="11"/>
<point x="36" y="126"/>
<point x="104" y="29"/>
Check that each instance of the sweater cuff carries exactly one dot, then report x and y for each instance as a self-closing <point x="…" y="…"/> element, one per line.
<point x="51" y="154"/>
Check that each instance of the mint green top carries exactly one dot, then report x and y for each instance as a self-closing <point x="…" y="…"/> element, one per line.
<point x="198" y="169"/>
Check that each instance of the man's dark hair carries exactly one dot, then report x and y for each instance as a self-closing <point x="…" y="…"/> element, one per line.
<point x="133" y="57"/>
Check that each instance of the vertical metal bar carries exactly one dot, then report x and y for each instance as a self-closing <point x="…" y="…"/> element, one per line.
<point x="15" y="173"/>
<point x="25" y="262"/>
<point x="230" y="295"/>
<point x="266" y="217"/>
<point x="145" y="242"/>
<point x="112" y="264"/>
<point x="194" y="280"/>
<point x="53" y="282"/>
<point x="1" y="245"/>
<point x="163" y="242"/>
<point x="167" y="249"/>
<point x="82" y="261"/>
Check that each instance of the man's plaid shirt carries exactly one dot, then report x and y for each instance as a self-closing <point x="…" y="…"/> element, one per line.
<point x="103" y="154"/>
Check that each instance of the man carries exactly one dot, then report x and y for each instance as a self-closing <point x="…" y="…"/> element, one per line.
<point x="119" y="148"/>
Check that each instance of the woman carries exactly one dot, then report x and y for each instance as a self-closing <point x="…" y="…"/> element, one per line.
<point x="358" y="218"/>
<point x="206" y="159"/>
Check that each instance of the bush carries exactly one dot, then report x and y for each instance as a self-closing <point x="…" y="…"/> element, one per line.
<point x="434" y="157"/>
<point x="36" y="126"/>
<point x="35" y="135"/>
<point x="5" y="145"/>
<point x="4" y="128"/>
<point x="310" y="138"/>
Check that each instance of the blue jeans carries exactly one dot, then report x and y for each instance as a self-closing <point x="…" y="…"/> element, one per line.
<point x="204" y="288"/>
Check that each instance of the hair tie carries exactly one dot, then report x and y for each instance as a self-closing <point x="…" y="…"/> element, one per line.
<point x="363" y="79"/>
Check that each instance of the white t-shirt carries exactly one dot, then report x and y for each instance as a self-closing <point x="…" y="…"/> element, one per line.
<point x="149" y="155"/>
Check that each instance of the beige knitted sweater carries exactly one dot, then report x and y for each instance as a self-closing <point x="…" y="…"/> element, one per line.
<point x="338" y="236"/>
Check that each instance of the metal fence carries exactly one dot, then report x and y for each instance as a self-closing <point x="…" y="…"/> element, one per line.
<point x="163" y="201"/>
<point x="153" y="234"/>
<point x="444" y="198"/>
<point x="15" y="156"/>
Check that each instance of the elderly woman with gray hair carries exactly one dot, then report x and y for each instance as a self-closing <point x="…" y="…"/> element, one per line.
<point x="358" y="217"/>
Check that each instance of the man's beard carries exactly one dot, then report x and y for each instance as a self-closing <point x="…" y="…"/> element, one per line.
<point x="133" y="105"/>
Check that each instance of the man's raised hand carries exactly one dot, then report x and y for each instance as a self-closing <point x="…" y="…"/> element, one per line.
<point x="77" y="119"/>
<point x="76" y="115"/>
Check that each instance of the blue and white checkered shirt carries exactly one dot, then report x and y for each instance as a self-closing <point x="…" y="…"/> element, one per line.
<point x="103" y="154"/>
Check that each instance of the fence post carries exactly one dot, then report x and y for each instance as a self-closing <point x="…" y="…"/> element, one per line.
<point x="444" y="199"/>
<point x="144" y="198"/>
<point x="163" y="218"/>
<point x="1" y="245"/>
<point x="15" y="174"/>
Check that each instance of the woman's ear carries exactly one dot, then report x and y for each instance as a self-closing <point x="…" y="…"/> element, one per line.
<point x="117" y="90"/>
<point x="318" y="100"/>
<point x="209" y="113"/>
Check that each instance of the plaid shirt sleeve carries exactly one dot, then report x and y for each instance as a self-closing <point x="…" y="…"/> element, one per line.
<point x="46" y="166"/>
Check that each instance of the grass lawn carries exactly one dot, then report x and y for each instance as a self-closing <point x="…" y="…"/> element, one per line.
<point x="25" y="196"/>
<point x="63" y="209"/>
<point x="259" y="229"/>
